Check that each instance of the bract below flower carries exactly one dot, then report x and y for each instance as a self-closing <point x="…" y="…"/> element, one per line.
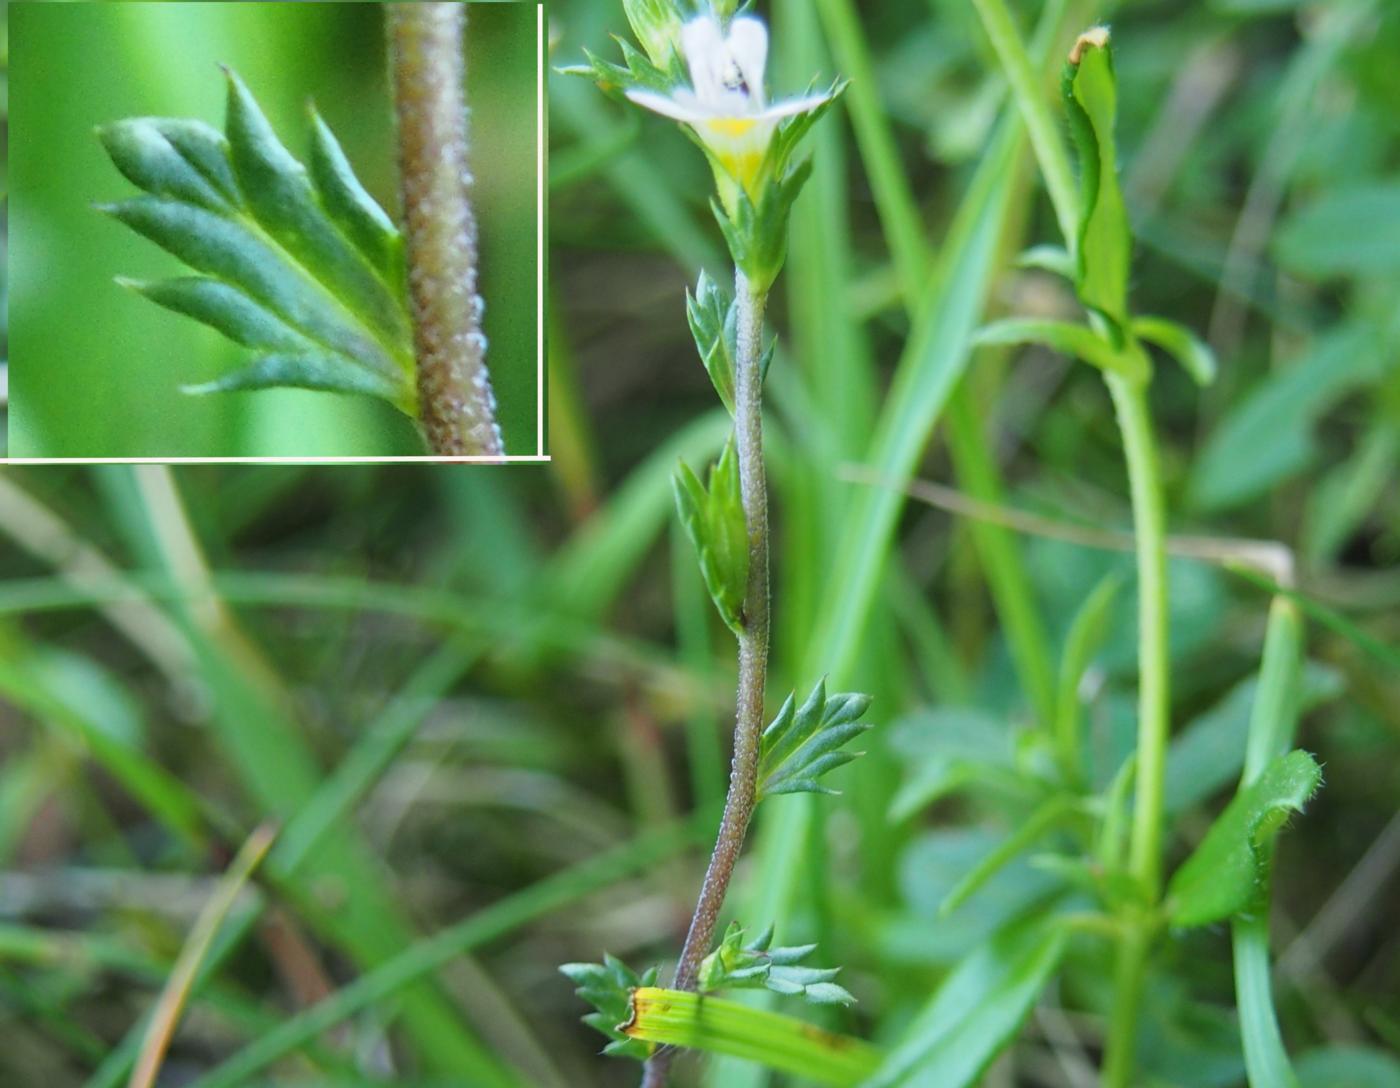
<point x="726" y="104"/>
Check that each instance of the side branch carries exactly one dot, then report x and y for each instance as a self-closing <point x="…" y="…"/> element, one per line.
<point x="457" y="408"/>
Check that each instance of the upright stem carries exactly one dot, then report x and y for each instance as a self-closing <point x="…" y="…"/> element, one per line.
<point x="753" y="654"/>
<point x="456" y="406"/>
<point x="1145" y="849"/>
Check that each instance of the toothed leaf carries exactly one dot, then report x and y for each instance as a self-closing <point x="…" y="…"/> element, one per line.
<point x="803" y="743"/>
<point x="712" y="318"/>
<point x="734" y="965"/>
<point x="1228" y="872"/>
<point x="713" y="518"/>
<point x="608" y="987"/>
<point x="303" y="267"/>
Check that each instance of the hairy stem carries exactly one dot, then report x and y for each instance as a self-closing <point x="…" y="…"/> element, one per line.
<point x="456" y="407"/>
<point x="753" y="654"/>
<point x="1145" y="844"/>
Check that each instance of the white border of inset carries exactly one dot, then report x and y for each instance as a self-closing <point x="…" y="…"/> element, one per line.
<point x="537" y="458"/>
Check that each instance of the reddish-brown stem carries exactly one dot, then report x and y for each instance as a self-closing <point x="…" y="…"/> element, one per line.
<point x="456" y="407"/>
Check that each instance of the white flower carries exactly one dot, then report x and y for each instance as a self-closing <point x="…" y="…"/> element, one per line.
<point x="726" y="104"/>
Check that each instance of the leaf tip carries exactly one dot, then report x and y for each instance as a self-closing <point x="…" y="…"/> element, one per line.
<point x="1096" y="37"/>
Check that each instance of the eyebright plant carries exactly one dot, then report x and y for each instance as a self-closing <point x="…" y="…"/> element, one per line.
<point x="705" y="69"/>
<point x="301" y="266"/>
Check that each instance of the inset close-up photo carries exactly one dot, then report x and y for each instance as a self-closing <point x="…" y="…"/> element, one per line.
<point x="276" y="230"/>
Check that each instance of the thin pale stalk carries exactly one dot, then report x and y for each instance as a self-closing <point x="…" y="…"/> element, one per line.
<point x="178" y="987"/>
<point x="456" y="407"/>
<point x="753" y="654"/>
<point x="1145" y="841"/>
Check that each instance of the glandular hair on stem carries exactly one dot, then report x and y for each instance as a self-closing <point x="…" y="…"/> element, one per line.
<point x="457" y="407"/>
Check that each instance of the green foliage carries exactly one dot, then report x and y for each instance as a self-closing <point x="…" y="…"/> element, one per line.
<point x="734" y="965"/>
<point x="1225" y="874"/>
<point x="304" y="269"/>
<point x="803" y="743"/>
<point x="713" y="518"/>
<point x="608" y="987"/>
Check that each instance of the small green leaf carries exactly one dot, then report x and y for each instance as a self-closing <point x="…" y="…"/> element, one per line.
<point x="657" y="25"/>
<point x="1180" y="343"/>
<point x="712" y="318"/>
<point x="734" y="965"/>
<point x="803" y="743"/>
<point x="353" y="209"/>
<point x="1224" y="874"/>
<point x="304" y="268"/>
<point x="1103" y="250"/>
<point x="1068" y="339"/>
<point x="608" y="987"/>
<point x="1049" y="259"/>
<point x="713" y="518"/>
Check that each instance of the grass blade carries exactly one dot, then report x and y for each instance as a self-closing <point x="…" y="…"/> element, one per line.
<point x="427" y="955"/>
<point x="176" y="994"/>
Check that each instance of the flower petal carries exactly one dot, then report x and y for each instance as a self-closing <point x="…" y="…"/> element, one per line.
<point x="667" y="107"/>
<point x="793" y="106"/>
<point x="748" y="46"/>
<point x="702" y="41"/>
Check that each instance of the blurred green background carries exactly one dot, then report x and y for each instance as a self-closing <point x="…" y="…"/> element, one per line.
<point x="96" y="370"/>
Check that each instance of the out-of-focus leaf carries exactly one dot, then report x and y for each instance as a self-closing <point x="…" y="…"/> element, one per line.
<point x="1347" y="1067"/>
<point x="1104" y="246"/>
<point x="947" y="748"/>
<point x="1351" y="492"/>
<point x="1209" y="751"/>
<point x="1266" y="437"/>
<point x="1353" y="231"/>
<point x="1225" y="873"/>
<point x="306" y="270"/>
<point x="1068" y="339"/>
<point x="976" y="1011"/>
<point x="1181" y="344"/>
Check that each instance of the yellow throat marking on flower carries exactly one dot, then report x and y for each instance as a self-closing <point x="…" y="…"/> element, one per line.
<point x="733" y="127"/>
